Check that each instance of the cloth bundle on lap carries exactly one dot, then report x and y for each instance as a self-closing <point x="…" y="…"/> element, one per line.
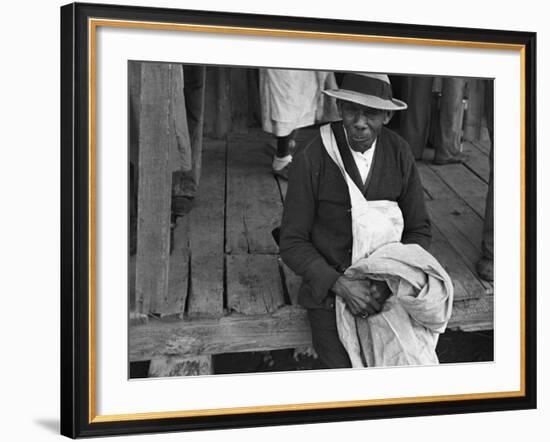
<point x="406" y="331"/>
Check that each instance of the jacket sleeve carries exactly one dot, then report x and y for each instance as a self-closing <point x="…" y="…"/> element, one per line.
<point x="296" y="247"/>
<point x="417" y="228"/>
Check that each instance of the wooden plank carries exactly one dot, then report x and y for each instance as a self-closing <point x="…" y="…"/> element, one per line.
<point x="156" y="139"/>
<point x="286" y="328"/>
<point x="178" y="273"/>
<point x="292" y="281"/>
<point x="466" y="284"/>
<point x="472" y="314"/>
<point x="207" y="235"/>
<point x="477" y="204"/>
<point x="462" y="228"/>
<point x="239" y="100"/>
<point x="461" y="179"/>
<point x="253" y="284"/>
<point x="178" y="366"/>
<point x="462" y="217"/>
<point x="477" y="161"/>
<point x="432" y="183"/>
<point x="254" y="205"/>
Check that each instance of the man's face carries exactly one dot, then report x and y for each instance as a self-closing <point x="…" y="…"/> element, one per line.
<point x="363" y="124"/>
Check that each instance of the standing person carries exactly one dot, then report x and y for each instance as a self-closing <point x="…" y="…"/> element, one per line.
<point x="448" y="134"/>
<point x="291" y="99"/>
<point x="186" y="182"/>
<point x="414" y="122"/>
<point x="316" y="232"/>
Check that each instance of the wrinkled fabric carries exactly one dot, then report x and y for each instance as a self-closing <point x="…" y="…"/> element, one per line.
<point x="406" y="331"/>
<point x="291" y="99"/>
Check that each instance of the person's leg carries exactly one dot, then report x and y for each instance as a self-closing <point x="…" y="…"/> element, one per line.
<point x="415" y="121"/>
<point x="186" y="183"/>
<point x="447" y="143"/>
<point x="485" y="264"/>
<point x="283" y="155"/>
<point x="325" y="339"/>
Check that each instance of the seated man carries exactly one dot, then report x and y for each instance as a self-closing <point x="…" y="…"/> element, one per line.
<point x="316" y="231"/>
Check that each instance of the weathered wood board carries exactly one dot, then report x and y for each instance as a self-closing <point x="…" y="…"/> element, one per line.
<point x="477" y="204"/>
<point x="286" y="328"/>
<point x="462" y="228"/>
<point x="178" y="274"/>
<point x="181" y="366"/>
<point x="254" y="205"/>
<point x="477" y="161"/>
<point x="156" y="141"/>
<point x="467" y="284"/>
<point x="433" y="184"/>
<point x="253" y="284"/>
<point x="461" y="180"/>
<point x="207" y="235"/>
<point x="472" y="314"/>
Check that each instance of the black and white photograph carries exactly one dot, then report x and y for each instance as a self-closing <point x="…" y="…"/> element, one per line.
<point x="283" y="219"/>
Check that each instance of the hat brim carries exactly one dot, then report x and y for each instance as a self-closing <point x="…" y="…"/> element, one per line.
<point x="367" y="100"/>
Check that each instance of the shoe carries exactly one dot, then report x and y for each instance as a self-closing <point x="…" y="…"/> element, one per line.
<point x="484" y="268"/>
<point x="282" y="173"/>
<point x="460" y="158"/>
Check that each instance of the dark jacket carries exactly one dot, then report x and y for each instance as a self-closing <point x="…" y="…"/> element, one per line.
<point x="316" y="236"/>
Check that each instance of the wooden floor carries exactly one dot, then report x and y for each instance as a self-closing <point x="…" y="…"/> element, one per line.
<point x="229" y="291"/>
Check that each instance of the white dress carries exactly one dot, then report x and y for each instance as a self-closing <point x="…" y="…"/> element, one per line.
<point x="291" y="99"/>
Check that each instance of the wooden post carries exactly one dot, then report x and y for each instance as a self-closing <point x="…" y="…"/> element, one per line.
<point x="156" y="140"/>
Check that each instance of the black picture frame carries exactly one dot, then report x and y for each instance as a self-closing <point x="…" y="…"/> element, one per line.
<point x="76" y="405"/>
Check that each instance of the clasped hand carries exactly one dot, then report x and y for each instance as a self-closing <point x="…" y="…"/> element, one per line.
<point x="362" y="296"/>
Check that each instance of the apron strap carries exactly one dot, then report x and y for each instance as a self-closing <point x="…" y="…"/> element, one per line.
<point x="331" y="146"/>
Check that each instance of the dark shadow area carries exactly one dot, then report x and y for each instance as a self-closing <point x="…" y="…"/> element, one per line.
<point x="457" y="346"/>
<point x="139" y="369"/>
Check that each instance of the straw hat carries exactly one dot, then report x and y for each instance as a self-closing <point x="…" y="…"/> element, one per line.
<point x="371" y="90"/>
